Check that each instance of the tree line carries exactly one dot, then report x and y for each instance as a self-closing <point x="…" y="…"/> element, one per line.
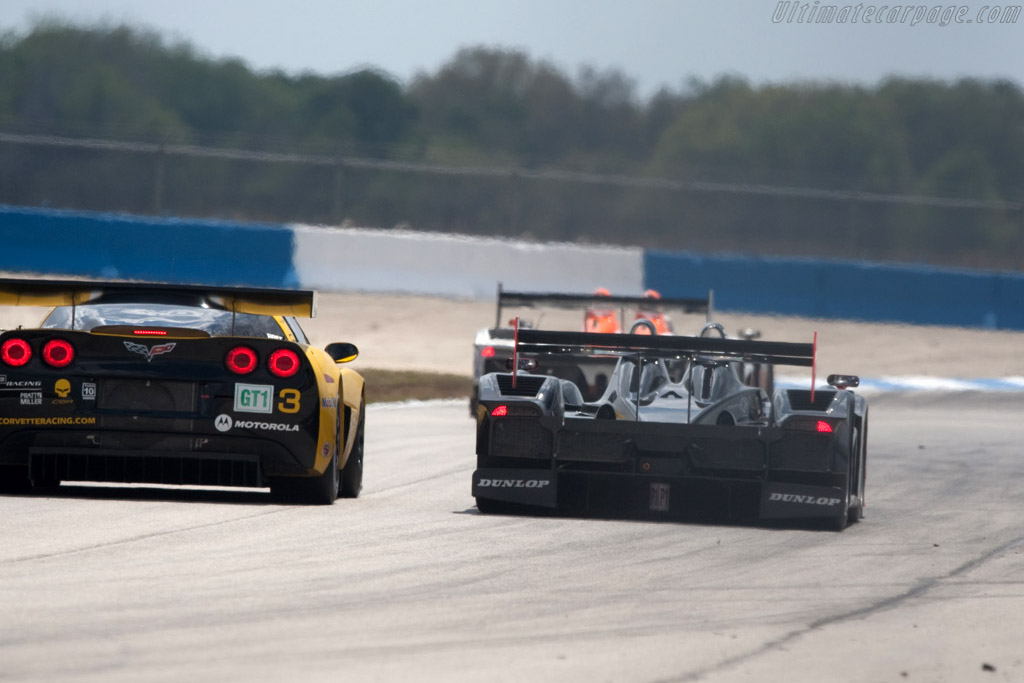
<point x="498" y="143"/>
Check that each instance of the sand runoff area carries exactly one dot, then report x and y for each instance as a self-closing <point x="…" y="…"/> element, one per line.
<point x="430" y="333"/>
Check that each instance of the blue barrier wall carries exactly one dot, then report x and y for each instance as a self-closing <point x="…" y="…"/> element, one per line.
<point x="843" y="289"/>
<point x="133" y="247"/>
<point x="226" y="253"/>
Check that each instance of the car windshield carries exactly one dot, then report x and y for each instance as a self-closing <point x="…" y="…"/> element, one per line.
<point x="215" y="322"/>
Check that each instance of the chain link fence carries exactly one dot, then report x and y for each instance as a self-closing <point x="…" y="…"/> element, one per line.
<point x="544" y="204"/>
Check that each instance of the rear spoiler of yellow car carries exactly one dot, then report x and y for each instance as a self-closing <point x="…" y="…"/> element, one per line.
<point x="261" y="301"/>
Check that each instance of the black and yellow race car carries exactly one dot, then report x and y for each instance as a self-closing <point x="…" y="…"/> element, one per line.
<point x="177" y="384"/>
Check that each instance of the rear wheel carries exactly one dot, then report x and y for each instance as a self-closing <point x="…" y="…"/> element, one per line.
<point x="853" y="507"/>
<point x="859" y="475"/>
<point x="317" y="490"/>
<point x="352" y="475"/>
<point x="839" y="523"/>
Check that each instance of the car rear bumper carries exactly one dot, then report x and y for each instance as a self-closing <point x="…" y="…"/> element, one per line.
<point x="154" y="458"/>
<point x="772" y="495"/>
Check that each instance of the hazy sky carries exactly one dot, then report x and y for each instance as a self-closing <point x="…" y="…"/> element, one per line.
<point x="656" y="42"/>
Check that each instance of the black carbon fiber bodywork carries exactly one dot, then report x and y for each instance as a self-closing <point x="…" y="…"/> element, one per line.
<point x="655" y="445"/>
<point x="156" y="410"/>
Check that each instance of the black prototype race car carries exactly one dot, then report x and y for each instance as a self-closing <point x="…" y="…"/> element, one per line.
<point x="676" y="432"/>
<point x="169" y="384"/>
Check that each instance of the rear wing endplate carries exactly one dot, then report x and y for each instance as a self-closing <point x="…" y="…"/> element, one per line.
<point x="261" y="301"/>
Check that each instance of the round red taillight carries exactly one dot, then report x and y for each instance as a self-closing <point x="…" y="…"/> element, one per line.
<point x="283" y="362"/>
<point x="241" y="360"/>
<point x="15" y="352"/>
<point x="58" y="353"/>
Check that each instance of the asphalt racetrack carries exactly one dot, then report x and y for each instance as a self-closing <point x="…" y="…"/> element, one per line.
<point x="410" y="583"/>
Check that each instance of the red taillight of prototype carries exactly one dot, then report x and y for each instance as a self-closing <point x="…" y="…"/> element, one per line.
<point x="150" y="333"/>
<point x="500" y="411"/>
<point x="58" y="353"/>
<point x="824" y="427"/>
<point x="283" y="363"/>
<point x="15" y="352"/>
<point x="241" y="360"/>
<point x="487" y="352"/>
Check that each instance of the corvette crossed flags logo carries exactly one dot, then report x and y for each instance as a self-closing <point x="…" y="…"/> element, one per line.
<point x="149" y="352"/>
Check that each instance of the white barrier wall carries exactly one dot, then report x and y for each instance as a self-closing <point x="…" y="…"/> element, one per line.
<point x="333" y="259"/>
<point x="96" y="245"/>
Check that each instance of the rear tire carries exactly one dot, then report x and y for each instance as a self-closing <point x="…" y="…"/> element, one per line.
<point x="317" y="490"/>
<point x="352" y="475"/>
<point x="860" y="475"/>
<point x="854" y="482"/>
<point x="842" y="521"/>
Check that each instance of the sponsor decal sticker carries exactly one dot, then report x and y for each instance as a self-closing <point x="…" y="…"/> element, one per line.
<point x="327" y="450"/>
<point x="659" y="501"/>
<point x="254" y="398"/>
<point x="45" y="421"/>
<point x="223" y="423"/>
<point x="149" y="351"/>
<point x="15" y="385"/>
<point x="265" y="426"/>
<point x="328" y="378"/>
<point x="331" y="402"/>
<point x="513" y="483"/>
<point x="820" y="501"/>
<point x="89" y="391"/>
<point x="31" y="398"/>
<point x="530" y="487"/>
<point x="784" y="499"/>
<point x="289" y="401"/>
<point x="62" y="388"/>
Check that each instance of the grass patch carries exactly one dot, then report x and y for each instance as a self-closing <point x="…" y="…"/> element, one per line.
<point x="402" y="385"/>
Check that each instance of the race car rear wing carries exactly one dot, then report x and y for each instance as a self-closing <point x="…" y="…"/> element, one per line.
<point x="777" y="353"/>
<point x="261" y="301"/>
<point x="582" y="301"/>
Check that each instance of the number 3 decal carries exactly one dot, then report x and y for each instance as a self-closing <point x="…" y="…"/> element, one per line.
<point x="289" y="400"/>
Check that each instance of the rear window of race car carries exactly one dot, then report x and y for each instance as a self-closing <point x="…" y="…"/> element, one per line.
<point x="215" y="322"/>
